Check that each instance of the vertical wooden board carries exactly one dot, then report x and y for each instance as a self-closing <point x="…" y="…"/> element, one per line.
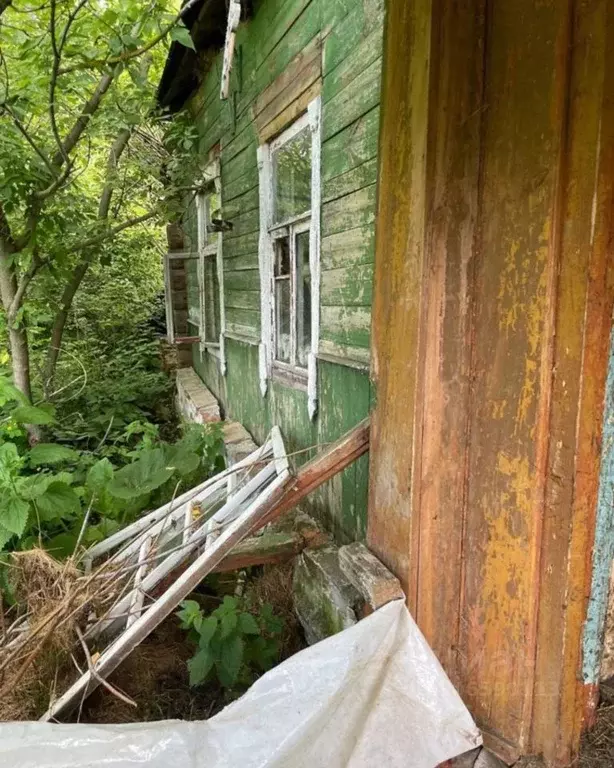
<point x="586" y="246"/>
<point x="344" y="397"/>
<point x="398" y="277"/>
<point x="511" y="361"/>
<point x="453" y="169"/>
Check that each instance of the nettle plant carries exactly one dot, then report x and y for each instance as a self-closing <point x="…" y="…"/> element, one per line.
<point x="46" y="490"/>
<point x="233" y="643"/>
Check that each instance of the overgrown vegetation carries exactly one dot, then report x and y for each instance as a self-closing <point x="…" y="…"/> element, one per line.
<point x="233" y="642"/>
<point x="56" y="496"/>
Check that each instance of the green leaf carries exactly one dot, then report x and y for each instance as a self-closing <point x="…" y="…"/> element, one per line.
<point x="190" y="613"/>
<point x="99" y="476"/>
<point x="144" y="475"/>
<point x="14" y="514"/>
<point x="5" y="536"/>
<point x="181" y="459"/>
<point x="200" y="665"/>
<point x="51" y="453"/>
<point x="33" y="486"/>
<point x="59" y="502"/>
<point x="30" y="414"/>
<point x="182" y="35"/>
<point x="248" y="624"/>
<point x="230" y="661"/>
<point x="10" y="392"/>
<point x="228" y="624"/>
<point x="206" y="630"/>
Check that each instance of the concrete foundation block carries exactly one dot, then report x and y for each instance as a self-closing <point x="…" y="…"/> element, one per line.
<point x="325" y="600"/>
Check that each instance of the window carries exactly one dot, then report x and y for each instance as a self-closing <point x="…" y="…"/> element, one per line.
<point x="289" y="168"/>
<point x="203" y="269"/>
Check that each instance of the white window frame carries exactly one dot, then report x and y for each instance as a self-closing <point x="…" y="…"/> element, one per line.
<point x="209" y="245"/>
<point x="269" y="232"/>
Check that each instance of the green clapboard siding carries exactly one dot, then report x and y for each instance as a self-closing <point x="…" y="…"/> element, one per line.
<point x="351" y="33"/>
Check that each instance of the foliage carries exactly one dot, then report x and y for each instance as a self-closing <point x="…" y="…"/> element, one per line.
<point x="232" y="641"/>
<point x="87" y="176"/>
<point x="46" y="490"/>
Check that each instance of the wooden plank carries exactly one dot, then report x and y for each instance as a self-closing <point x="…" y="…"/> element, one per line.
<point x="242" y="262"/>
<point x="245" y="203"/>
<point x="268" y="549"/>
<point x="347" y="29"/>
<point x="362" y="176"/>
<point x="243" y="300"/>
<point x="585" y="294"/>
<point x="309" y="80"/>
<point x="240" y="246"/>
<point x="343" y="354"/>
<point x="353" y="210"/>
<point x="245" y="280"/>
<point x="360" y="96"/>
<point x="350" y="248"/>
<point x="351" y="147"/>
<point x="398" y="279"/>
<point x="444" y="386"/>
<point x="294" y="38"/>
<point x="294" y="110"/>
<point x="244" y="223"/>
<point x="346" y="325"/>
<point x="360" y="58"/>
<point x="347" y="286"/>
<point x="242" y="183"/>
<point x="238" y="166"/>
<point x="305" y="68"/>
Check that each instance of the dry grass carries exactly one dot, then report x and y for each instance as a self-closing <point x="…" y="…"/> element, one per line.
<point x="57" y="598"/>
<point x="54" y="598"/>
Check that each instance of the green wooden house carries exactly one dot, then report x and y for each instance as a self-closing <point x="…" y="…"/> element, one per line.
<point x="270" y="267"/>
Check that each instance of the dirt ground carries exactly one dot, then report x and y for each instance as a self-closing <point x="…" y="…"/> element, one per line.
<point x="155" y="675"/>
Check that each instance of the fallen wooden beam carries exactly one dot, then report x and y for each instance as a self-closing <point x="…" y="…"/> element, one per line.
<point x="284" y="493"/>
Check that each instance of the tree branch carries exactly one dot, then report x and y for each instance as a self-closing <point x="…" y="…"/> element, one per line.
<point x="22" y="286"/>
<point x="128" y="55"/>
<point x="112" y="231"/>
<point x="116" y="151"/>
<point x="24" y="132"/>
<point x="88" y="109"/>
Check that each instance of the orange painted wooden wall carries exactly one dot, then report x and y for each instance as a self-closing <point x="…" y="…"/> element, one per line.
<point x="493" y="300"/>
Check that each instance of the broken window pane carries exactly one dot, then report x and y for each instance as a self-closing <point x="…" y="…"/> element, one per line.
<point x="282" y="257"/>
<point x="303" y="299"/>
<point x="292" y="177"/>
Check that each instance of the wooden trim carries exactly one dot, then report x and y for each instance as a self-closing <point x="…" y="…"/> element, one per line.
<point x="282" y="101"/>
<point x="288" y="376"/>
<point x="346" y="361"/>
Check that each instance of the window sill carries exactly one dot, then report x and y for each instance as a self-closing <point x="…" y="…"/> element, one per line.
<point x="289" y="377"/>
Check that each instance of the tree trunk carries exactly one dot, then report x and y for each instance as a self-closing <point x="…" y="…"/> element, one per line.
<point x="57" y="332"/>
<point x="20" y="360"/>
<point x="18" y="336"/>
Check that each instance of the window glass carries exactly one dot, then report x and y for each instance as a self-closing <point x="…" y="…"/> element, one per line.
<point x="212" y="299"/>
<point x="303" y="299"/>
<point x="292" y="177"/>
<point x="192" y="291"/>
<point x="283" y="319"/>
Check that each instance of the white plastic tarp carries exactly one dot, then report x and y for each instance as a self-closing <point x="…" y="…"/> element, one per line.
<point x="373" y="695"/>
